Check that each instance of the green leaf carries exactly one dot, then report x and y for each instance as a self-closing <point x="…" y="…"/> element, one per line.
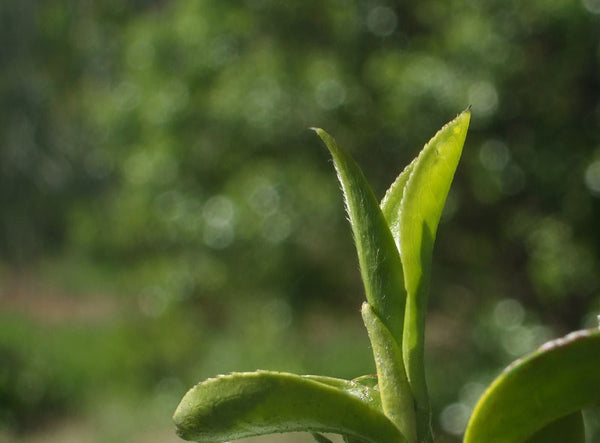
<point x="412" y="207"/>
<point x="392" y="201"/>
<point x="569" y="428"/>
<point x="369" y="380"/>
<point x="242" y="405"/>
<point x="356" y="387"/>
<point x="378" y="256"/>
<point x="560" y="378"/>
<point x="396" y="397"/>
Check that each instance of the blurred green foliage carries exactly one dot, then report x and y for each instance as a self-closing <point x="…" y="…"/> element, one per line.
<point x="158" y="151"/>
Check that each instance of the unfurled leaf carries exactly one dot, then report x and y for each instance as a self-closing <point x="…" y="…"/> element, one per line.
<point x="396" y="396"/>
<point x="392" y="201"/>
<point x="378" y="256"/>
<point x="248" y="404"/>
<point x="558" y="380"/>
<point x="412" y="207"/>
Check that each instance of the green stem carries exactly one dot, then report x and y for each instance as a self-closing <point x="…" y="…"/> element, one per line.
<point x="414" y="359"/>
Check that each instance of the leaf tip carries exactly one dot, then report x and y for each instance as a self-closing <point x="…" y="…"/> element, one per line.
<point x="319" y="131"/>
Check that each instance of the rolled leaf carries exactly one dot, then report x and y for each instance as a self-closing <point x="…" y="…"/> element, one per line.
<point x="378" y="256"/>
<point x="243" y="405"/>
<point x="396" y="397"/>
<point x="559" y="379"/>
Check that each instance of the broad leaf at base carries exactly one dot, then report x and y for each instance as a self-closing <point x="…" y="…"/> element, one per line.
<point x="241" y="405"/>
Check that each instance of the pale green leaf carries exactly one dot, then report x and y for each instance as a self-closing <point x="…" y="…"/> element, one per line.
<point x="242" y="405"/>
<point x="422" y="190"/>
<point x="392" y="201"/>
<point x="559" y="379"/>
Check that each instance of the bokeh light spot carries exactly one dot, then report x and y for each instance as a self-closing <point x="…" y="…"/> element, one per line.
<point x="219" y="214"/>
<point x="330" y="94"/>
<point x="218" y="211"/>
<point x="494" y="155"/>
<point x="509" y="313"/>
<point x="382" y="21"/>
<point x="454" y="418"/>
<point x="592" y="177"/>
<point x="264" y="199"/>
<point x="592" y="6"/>
<point x="483" y="96"/>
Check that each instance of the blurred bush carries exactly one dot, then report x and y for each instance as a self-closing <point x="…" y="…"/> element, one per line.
<point x="166" y="144"/>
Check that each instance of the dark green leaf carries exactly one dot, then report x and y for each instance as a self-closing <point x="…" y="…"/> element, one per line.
<point x="377" y="253"/>
<point x="569" y="428"/>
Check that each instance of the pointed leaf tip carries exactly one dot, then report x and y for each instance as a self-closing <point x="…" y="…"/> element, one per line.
<point x="412" y="207"/>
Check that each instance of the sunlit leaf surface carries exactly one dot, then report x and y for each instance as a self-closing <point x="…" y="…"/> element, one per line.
<point x="242" y="405"/>
<point x="560" y="378"/>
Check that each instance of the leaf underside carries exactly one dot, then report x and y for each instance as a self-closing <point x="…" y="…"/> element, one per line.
<point x="558" y="380"/>
<point x="243" y="405"/>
